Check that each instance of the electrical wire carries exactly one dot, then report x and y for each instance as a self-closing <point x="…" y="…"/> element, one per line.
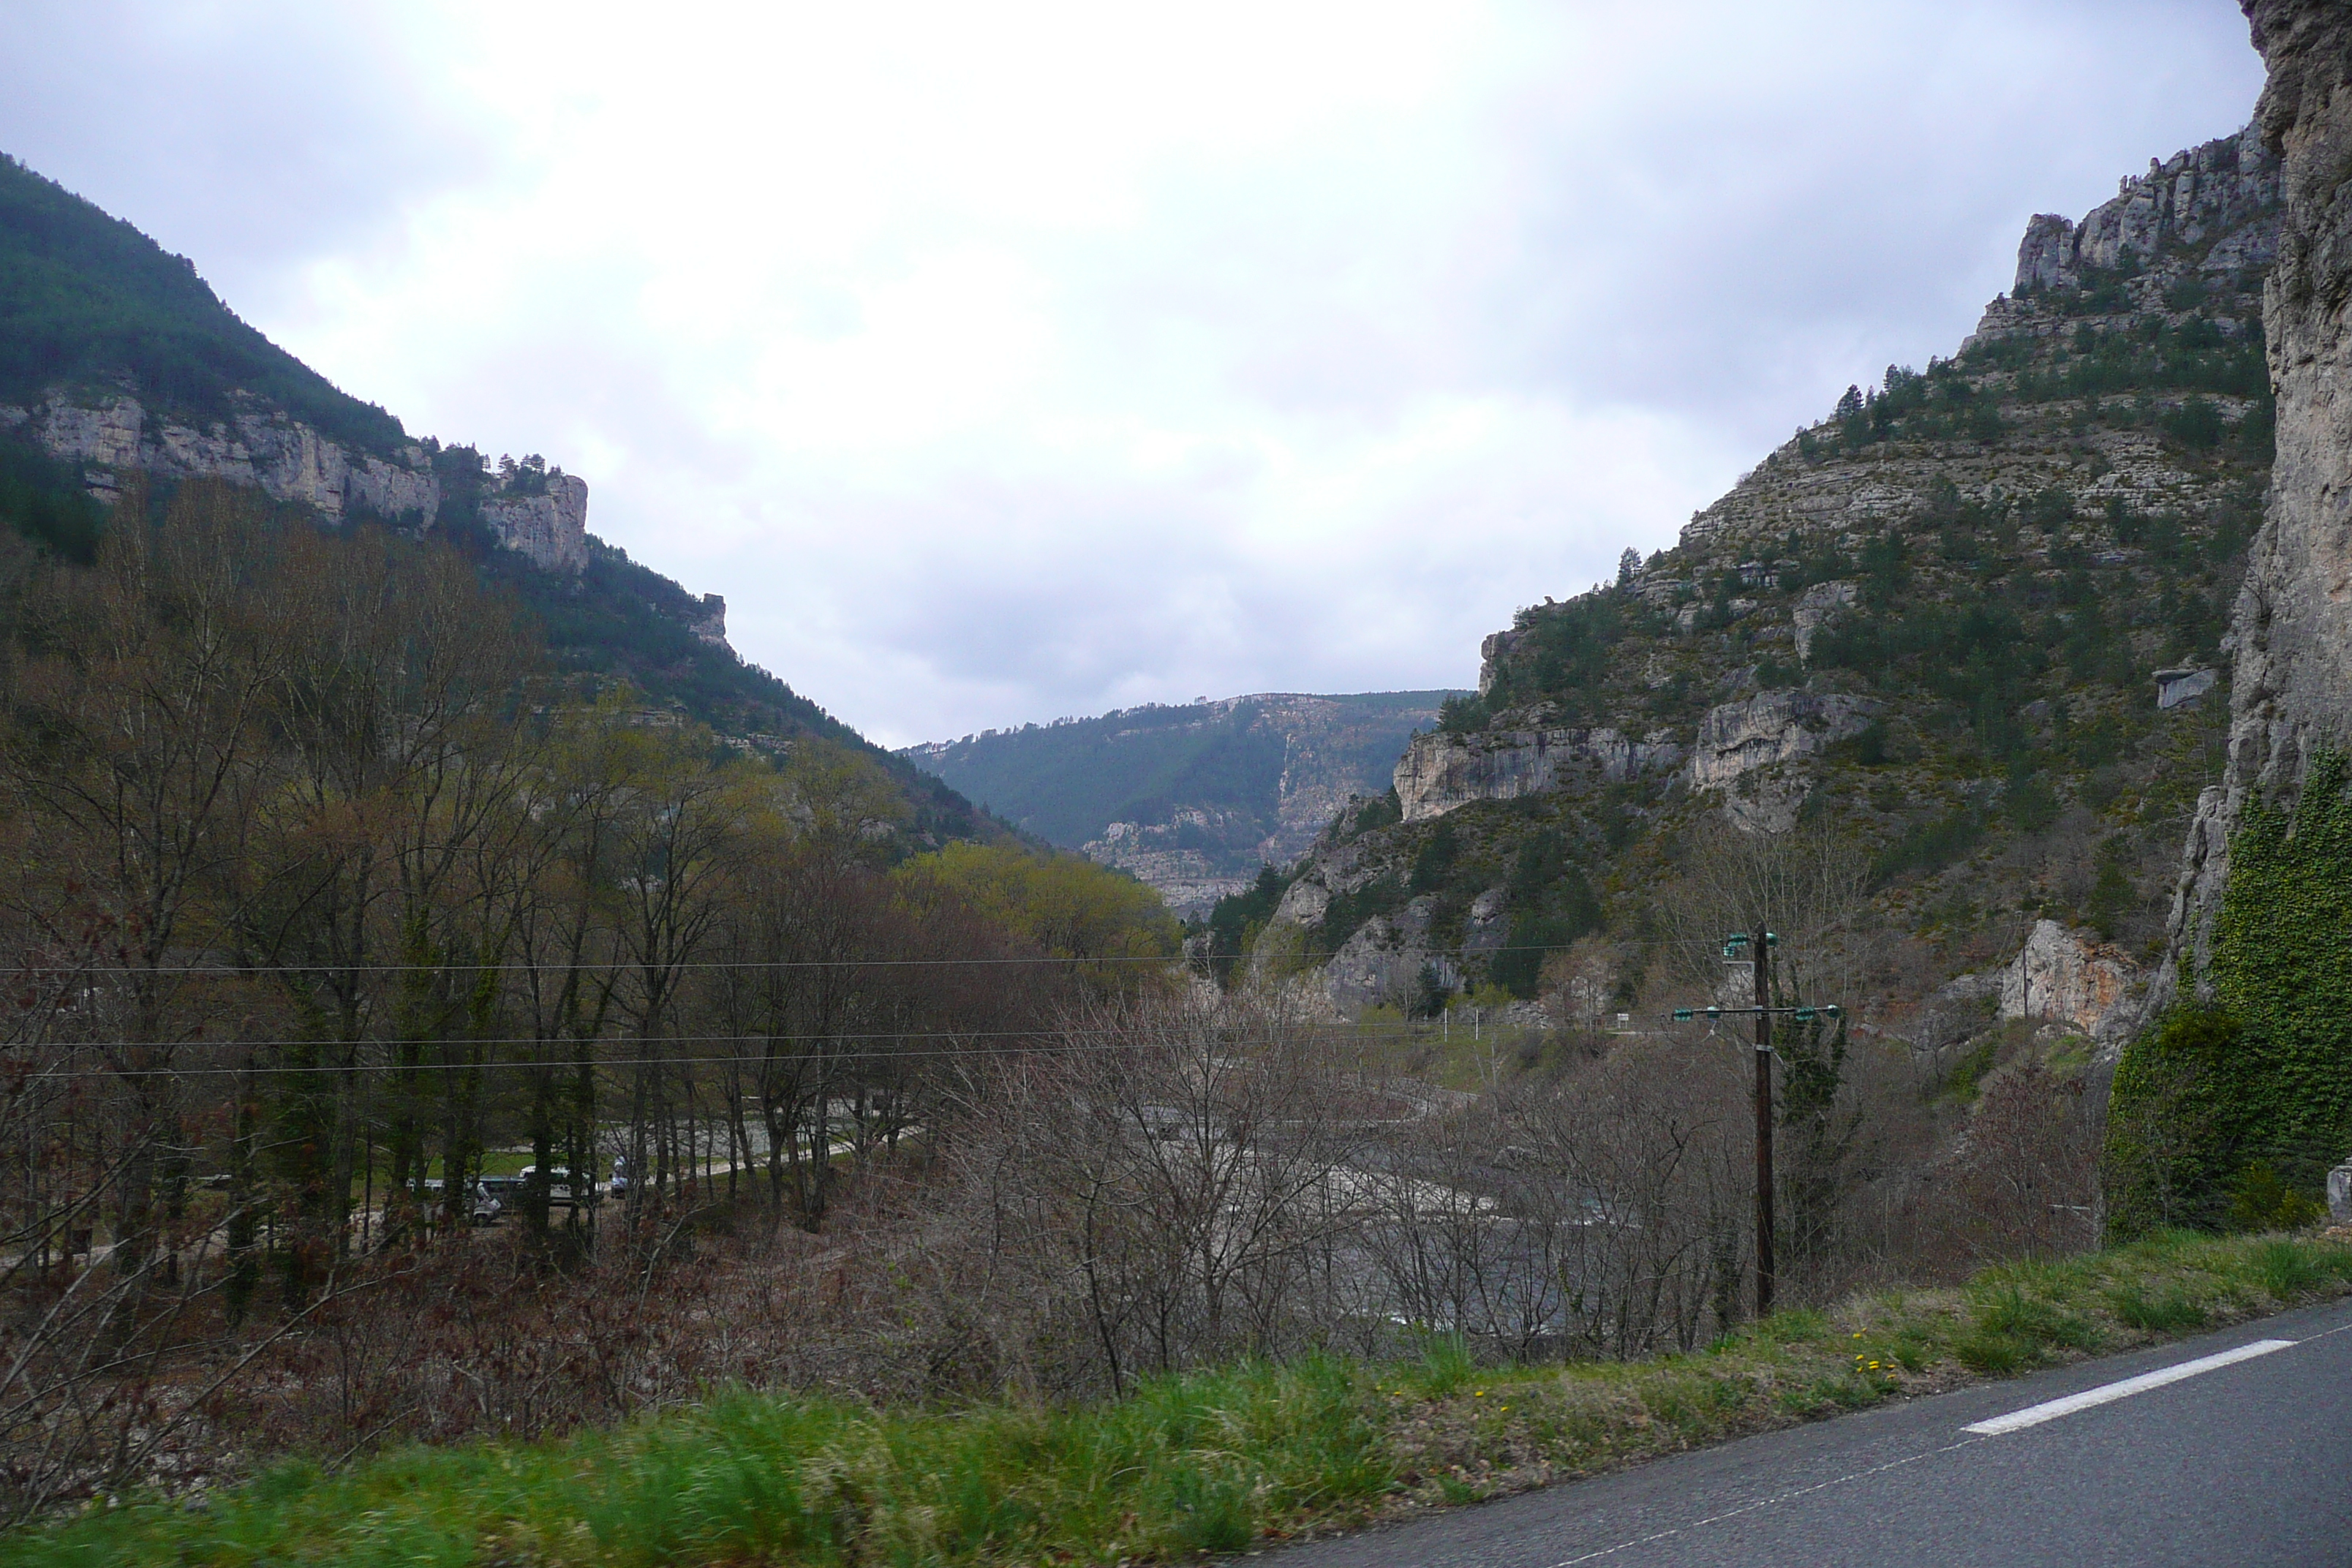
<point x="259" y="971"/>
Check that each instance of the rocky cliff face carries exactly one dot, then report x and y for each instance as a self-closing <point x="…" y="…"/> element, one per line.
<point x="285" y="458"/>
<point x="2291" y="690"/>
<point x="1440" y="771"/>
<point x="289" y="461"/>
<point x="550" y="528"/>
<point x="2225" y="192"/>
<point x="1972" y="624"/>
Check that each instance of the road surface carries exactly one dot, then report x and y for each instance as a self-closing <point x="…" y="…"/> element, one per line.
<point x="2243" y="1456"/>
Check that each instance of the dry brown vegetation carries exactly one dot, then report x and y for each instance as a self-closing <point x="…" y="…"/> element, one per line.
<point x="324" y="902"/>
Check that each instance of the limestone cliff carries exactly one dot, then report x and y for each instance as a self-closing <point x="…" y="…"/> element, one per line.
<point x="289" y="461"/>
<point x="2291" y="690"/>
<point x="1440" y="771"/>
<point x="1972" y="625"/>
<point x="262" y="448"/>
<point x="550" y="528"/>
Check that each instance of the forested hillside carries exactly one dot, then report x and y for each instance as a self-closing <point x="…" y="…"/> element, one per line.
<point x="86" y="300"/>
<point x="116" y="358"/>
<point x="1192" y="799"/>
<point x="1968" y="628"/>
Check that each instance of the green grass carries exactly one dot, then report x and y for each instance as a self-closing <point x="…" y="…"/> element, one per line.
<point x="1211" y="1462"/>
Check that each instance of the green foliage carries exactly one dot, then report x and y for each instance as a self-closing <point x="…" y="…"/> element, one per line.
<point x="1561" y="655"/>
<point x="2195" y="424"/>
<point x="1236" y="921"/>
<point x="42" y="499"/>
<point x="2267" y="1081"/>
<point x="1436" y="858"/>
<point x="1429" y="994"/>
<point x="1347" y="912"/>
<point x="1383" y="810"/>
<point x="2288" y="1269"/>
<point x="1970" y="649"/>
<point x="2166" y="1312"/>
<point x="2011" y="1327"/>
<point x="1461" y="715"/>
<point x="1062" y="904"/>
<point x="88" y="300"/>
<point x="1967" y="1073"/>
<point x="2261" y="1200"/>
<point x="1929" y="846"/>
<point x="2032" y="805"/>
<point x="1556" y="905"/>
<point x="2168" y="1123"/>
<point x="2113" y="897"/>
<point x="1819" y="1131"/>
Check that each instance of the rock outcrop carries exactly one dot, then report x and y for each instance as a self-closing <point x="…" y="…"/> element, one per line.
<point x="2215" y="190"/>
<point x="283" y="458"/>
<point x="1187" y="879"/>
<point x="1967" y="574"/>
<point x="1387" y="960"/>
<point x="1774" y="727"/>
<point x="2291" y="685"/>
<point x="2061" y="976"/>
<point x="289" y="461"/>
<point x="549" y="527"/>
<point x="1815" y="608"/>
<point x="1440" y="772"/>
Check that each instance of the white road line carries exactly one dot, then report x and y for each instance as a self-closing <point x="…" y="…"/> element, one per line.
<point x="2050" y="1410"/>
<point x="1763" y="1502"/>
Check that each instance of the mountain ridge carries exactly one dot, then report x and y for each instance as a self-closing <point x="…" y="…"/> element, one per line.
<point x="116" y="358"/>
<point x="1967" y="625"/>
<point x="1192" y="798"/>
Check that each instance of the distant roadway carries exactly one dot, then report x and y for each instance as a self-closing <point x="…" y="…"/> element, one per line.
<point x="2242" y="1456"/>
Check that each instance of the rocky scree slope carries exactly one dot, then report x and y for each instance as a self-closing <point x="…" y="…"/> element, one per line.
<point x="117" y="359"/>
<point x="1973" y="622"/>
<point x="1192" y="800"/>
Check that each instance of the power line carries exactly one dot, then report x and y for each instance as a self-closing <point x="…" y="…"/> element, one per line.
<point x="1046" y="1048"/>
<point x="258" y="971"/>
<point x="1058" y="1042"/>
<point x="387" y="1041"/>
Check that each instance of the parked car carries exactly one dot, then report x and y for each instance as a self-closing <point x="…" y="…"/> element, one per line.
<point x="563" y="1189"/>
<point x="493" y="1196"/>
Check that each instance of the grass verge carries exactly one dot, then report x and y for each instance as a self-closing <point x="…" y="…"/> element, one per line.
<point x="1203" y="1463"/>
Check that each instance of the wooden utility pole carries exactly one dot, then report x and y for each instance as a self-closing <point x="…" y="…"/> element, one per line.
<point x="1763" y="942"/>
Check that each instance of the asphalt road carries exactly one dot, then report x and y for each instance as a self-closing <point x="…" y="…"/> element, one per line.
<point x="2248" y="1463"/>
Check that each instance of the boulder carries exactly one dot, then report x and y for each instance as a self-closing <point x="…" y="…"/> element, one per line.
<point x="1814" y="607"/>
<point x="2061" y="976"/>
<point x="2175" y="687"/>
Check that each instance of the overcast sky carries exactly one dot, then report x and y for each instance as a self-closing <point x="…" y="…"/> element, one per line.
<point x="1006" y="362"/>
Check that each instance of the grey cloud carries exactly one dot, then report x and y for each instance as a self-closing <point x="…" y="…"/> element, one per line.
<point x="1740" y="210"/>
